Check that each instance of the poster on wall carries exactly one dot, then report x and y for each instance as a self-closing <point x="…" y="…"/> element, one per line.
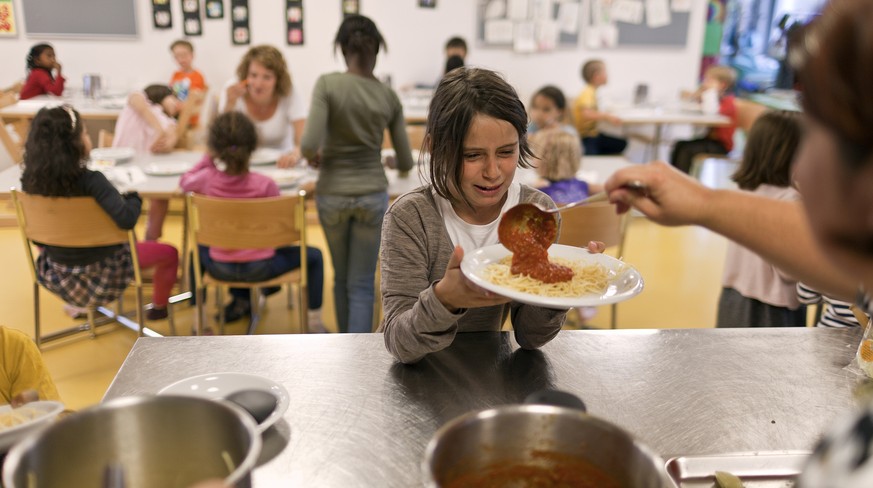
<point x="7" y="19"/>
<point x="214" y="9"/>
<point x="528" y="26"/>
<point x="191" y="23"/>
<point x="161" y="15"/>
<point x="294" y="19"/>
<point x="239" y="22"/>
<point x="350" y="7"/>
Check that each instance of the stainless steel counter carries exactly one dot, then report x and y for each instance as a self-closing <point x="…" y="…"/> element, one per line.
<point x="357" y="418"/>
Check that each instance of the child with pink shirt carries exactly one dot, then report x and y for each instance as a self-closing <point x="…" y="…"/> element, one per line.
<point x="232" y="139"/>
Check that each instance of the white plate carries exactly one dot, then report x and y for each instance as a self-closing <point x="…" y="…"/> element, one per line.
<point x="624" y="282"/>
<point x="167" y="168"/>
<point x="218" y="386"/>
<point x="117" y="154"/>
<point x="48" y="410"/>
<point x="283" y="177"/>
<point x="264" y="156"/>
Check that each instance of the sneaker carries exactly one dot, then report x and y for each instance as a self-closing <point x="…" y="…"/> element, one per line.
<point x="236" y="310"/>
<point x="157" y="313"/>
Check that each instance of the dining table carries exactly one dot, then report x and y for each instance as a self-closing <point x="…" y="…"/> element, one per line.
<point x="357" y="417"/>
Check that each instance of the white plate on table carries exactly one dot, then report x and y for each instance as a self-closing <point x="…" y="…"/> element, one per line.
<point x="283" y="177"/>
<point x="624" y="281"/>
<point x="217" y="386"/>
<point x="265" y="156"/>
<point x="38" y="414"/>
<point x="167" y="168"/>
<point x="111" y="156"/>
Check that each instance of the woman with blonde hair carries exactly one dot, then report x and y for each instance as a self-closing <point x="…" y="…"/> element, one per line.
<point x="262" y="90"/>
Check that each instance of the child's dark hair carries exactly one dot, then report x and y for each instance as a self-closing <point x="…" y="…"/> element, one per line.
<point x="35" y="53"/>
<point x="183" y="43"/>
<point x="770" y="148"/>
<point x="456" y="42"/>
<point x="157" y="93"/>
<point x="54" y="154"/>
<point x="554" y="94"/>
<point x="359" y="35"/>
<point x="460" y="96"/>
<point x="233" y="139"/>
<point x="453" y="63"/>
<point x="590" y="68"/>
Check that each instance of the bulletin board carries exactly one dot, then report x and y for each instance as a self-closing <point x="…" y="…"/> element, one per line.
<point x="528" y="26"/>
<point x="637" y="23"/>
<point x="103" y="18"/>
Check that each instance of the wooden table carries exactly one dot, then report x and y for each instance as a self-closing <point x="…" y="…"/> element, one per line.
<point x="661" y="116"/>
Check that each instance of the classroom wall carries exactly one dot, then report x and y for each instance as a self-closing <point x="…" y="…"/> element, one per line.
<point x="415" y="39"/>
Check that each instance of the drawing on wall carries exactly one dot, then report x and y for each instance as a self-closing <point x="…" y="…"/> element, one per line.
<point x="350" y="7"/>
<point x="294" y="21"/>
<point x="191" y="23"/>
<point x="214" y="9"/>
<point x="7" y="19"/>
<point x="528" y="26"/>
<point x="239" y="22"/>
<point x="614" y="23"/>
<point x="161" y="15"/>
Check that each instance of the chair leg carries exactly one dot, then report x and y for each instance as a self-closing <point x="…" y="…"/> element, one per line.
<point x="254" y="297"/>
<point x="92" y="324"/>
<point x="140" y="318"/>
<point x="198" y="312"/>
<point x="170" y="319"/>
<point x="303" y="308"/>
<point x="36" y="324"/>
<point x="290" y="297"/>
<point x="219" y="301"/>
<point x="612" y="317"/>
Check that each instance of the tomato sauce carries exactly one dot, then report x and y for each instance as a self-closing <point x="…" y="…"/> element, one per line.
<point x="529" y="246"/>
<point x="547" y="470"/>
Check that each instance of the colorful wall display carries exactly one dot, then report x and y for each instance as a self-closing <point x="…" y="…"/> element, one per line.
<point x="239" y="22"/>
<point x="161" y="14"/>
<point x="294" y="19"/>
<point x="191" y="23"/>
<point x="214" y="9"/>
<point x="7" y="19"/>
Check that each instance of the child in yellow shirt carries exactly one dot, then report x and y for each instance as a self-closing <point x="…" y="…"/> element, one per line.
<point x="23" y="374"/>
<point x="586" y="115"/>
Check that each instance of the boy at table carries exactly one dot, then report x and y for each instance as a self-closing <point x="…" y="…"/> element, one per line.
<point x="586" y="114"/>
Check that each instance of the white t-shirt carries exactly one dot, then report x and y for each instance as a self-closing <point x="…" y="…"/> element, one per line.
<point x="470" y="236"/>
<point x="277" y="131"/>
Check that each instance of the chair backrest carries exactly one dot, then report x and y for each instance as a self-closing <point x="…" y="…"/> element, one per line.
<point x="105" y="138"/>
<point x="593" y="222"/>
<point x="234" y="223"/>
<point x="68" y="222"/>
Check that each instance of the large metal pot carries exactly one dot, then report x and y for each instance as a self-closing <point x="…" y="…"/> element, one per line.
<point x="540" y="442"/>
<point x="156" y="441"/>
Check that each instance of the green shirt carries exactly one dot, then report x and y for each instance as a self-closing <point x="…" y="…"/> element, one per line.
<point x="347" y="121"/>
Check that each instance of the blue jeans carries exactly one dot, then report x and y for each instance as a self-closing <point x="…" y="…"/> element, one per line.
<point x="285" y="260"/>
<point x="353" y="228"/>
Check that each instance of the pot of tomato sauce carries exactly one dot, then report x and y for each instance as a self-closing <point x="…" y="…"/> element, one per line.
<point x="549" y="442"/>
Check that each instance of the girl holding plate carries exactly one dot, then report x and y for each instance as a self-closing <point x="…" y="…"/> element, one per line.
<point x="477" y="136"/>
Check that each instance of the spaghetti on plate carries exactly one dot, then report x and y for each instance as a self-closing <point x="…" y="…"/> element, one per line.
<point x="587" y="279"/>
<point x="17" y="416"/>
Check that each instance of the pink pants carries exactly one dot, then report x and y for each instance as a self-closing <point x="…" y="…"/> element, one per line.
<point x="165" y="259"/>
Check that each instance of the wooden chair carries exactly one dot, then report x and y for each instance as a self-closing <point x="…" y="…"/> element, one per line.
<point x="9" y="96"/>
<point x="104" y="138"/>
<point x="234" y="223"/>
<point x="595" y="222"/>
<point x="74" y="222"/>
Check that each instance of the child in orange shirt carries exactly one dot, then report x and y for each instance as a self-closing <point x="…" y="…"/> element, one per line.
<point x="186" y="79"/>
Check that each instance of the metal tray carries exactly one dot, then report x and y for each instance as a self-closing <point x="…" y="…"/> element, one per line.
<point x="760" y="469"/>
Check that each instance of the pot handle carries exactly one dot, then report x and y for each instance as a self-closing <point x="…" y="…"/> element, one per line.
<point x="555" y="398"/>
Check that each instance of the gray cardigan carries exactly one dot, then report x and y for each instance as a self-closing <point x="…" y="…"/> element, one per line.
<point x="415" y="252"/>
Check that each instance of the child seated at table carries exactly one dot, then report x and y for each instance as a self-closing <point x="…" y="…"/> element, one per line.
<point x="24" y="377"/>
<point x="718" y="140"/>
<point x="560" y="156"/>
<point x="586" y="114"/>
<point x="41" y="62"/>
<point x="147" y="125"/>
<point x="55" y="153"/>
<point x="755" y="293"/>
<point x="232" y="139"/>
<point x="186" y="79"/>
<point x="548" y="109"/>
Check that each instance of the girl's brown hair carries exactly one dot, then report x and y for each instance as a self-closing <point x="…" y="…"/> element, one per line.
<point x="770" y="148"/>
<point x="559" y="152"/>
<point x="834" y="68"/>
<point x="233" y="139"/>
<point x="460" y="96"/>
<point x="273" y="60"/>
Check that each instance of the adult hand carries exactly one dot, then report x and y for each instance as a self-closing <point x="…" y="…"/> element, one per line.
<point x="289" y="160"/>
<point x="612" y="119"/>
<point x="390" y="161"/>
<point x="234" y="92"/>
<point x="669" y="197"/>
<point x="25" y="396"/>
<point x="165" y="142"/>
<point x="455" y="291"/>
<point x="315" y="161"/>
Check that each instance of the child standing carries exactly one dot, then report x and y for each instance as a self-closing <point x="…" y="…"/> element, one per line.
<point x="755" y="293"/>
<point x="186" y="79"/>
<point x="232" y="139"/>
<point x="720" y="81"/>
<point x="548" y="110"/>
<point x="55" y="153"/>
<point x="835" y="313"/>
<point x="586" y="115"/>
<point x="41" y="62"/>
<point x="147" y="125"/>
<point x="475" y="149"/>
